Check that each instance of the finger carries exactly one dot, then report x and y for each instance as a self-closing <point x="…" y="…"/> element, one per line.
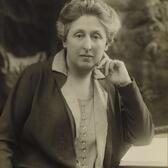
<point x="112" y="67"/>
<point x="107" y="68"/>
<point x="102" y="63"/>
<point x="103" y="60"/>
<point x="108" y="63"/>
<point x="106" y="56"/>
<point x="118" y="65"/>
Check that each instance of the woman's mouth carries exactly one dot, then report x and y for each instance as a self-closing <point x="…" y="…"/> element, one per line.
<point x="86" y="55"/>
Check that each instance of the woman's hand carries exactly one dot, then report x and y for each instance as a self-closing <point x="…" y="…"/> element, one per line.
<point x="115" y="70"/>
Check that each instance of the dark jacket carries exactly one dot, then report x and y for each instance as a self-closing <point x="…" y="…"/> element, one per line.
<point x="37" y="129"/>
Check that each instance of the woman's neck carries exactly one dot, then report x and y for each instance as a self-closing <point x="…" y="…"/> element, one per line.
<point x="82" y="85"/>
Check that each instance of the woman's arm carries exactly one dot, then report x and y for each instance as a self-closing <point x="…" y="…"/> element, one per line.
<point x="137" y="121"/>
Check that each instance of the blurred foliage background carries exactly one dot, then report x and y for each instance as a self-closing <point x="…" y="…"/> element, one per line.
<point x="28" y="35"/>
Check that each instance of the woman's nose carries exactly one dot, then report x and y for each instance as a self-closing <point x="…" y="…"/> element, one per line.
<point x="87" y="44"/>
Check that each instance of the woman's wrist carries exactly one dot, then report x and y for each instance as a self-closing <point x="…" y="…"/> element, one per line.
<point x="125" y="83"/>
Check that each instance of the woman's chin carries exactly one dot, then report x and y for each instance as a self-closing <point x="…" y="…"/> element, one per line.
<point x="85" y="69"/>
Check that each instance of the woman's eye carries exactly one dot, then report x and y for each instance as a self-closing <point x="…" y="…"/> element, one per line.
<point x="96" y="36"/>
<point x="78" y="35"/>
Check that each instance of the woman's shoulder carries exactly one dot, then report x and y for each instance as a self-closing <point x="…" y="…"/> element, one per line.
<point x="36" y="71"/>
<point x="38" y="68"/>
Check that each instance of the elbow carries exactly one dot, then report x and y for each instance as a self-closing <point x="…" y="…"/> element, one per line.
<point x="145" y="137"/>
<point x="141" y="136"/>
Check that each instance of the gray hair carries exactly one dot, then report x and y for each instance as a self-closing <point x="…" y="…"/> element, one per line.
<point x="107" y="16"/>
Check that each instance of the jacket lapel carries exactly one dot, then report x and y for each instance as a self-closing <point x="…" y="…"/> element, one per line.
<point x="61" y="80"/>
<point x="101" y="124"/>
<point x="73" y="105"/>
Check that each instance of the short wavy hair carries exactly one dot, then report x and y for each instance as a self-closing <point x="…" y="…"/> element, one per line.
<point x="107" y="16"/>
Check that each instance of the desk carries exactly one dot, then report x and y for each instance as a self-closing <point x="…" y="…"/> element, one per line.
<point x="153" y="155"/>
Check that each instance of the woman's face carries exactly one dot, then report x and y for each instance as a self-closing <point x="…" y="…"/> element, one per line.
<point x="86" y="42"/>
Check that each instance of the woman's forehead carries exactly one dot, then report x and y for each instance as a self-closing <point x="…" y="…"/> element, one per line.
<point x="87" y="23"/>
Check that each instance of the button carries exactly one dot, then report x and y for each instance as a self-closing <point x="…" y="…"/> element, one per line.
<point x="83" y="147"/>
<point x="84" y="128"/>
<point x="82" y="133"/>
<point x="84" y="158"/>
<point x="83" y="143"/>
<point x="83" y="123"/>
<point x="78" y="164"/>
<point x="83" y="116"/>
<point x="84" y="150"/>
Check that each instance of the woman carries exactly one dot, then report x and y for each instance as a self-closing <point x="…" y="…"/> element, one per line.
<point x="80" y="109"/>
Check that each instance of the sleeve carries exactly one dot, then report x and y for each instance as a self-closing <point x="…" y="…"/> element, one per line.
<point x="137" y="121"/>
<point x="15" y="112"/>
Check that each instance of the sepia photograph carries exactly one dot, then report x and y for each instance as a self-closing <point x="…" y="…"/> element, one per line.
<point x="84" y="84"/>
